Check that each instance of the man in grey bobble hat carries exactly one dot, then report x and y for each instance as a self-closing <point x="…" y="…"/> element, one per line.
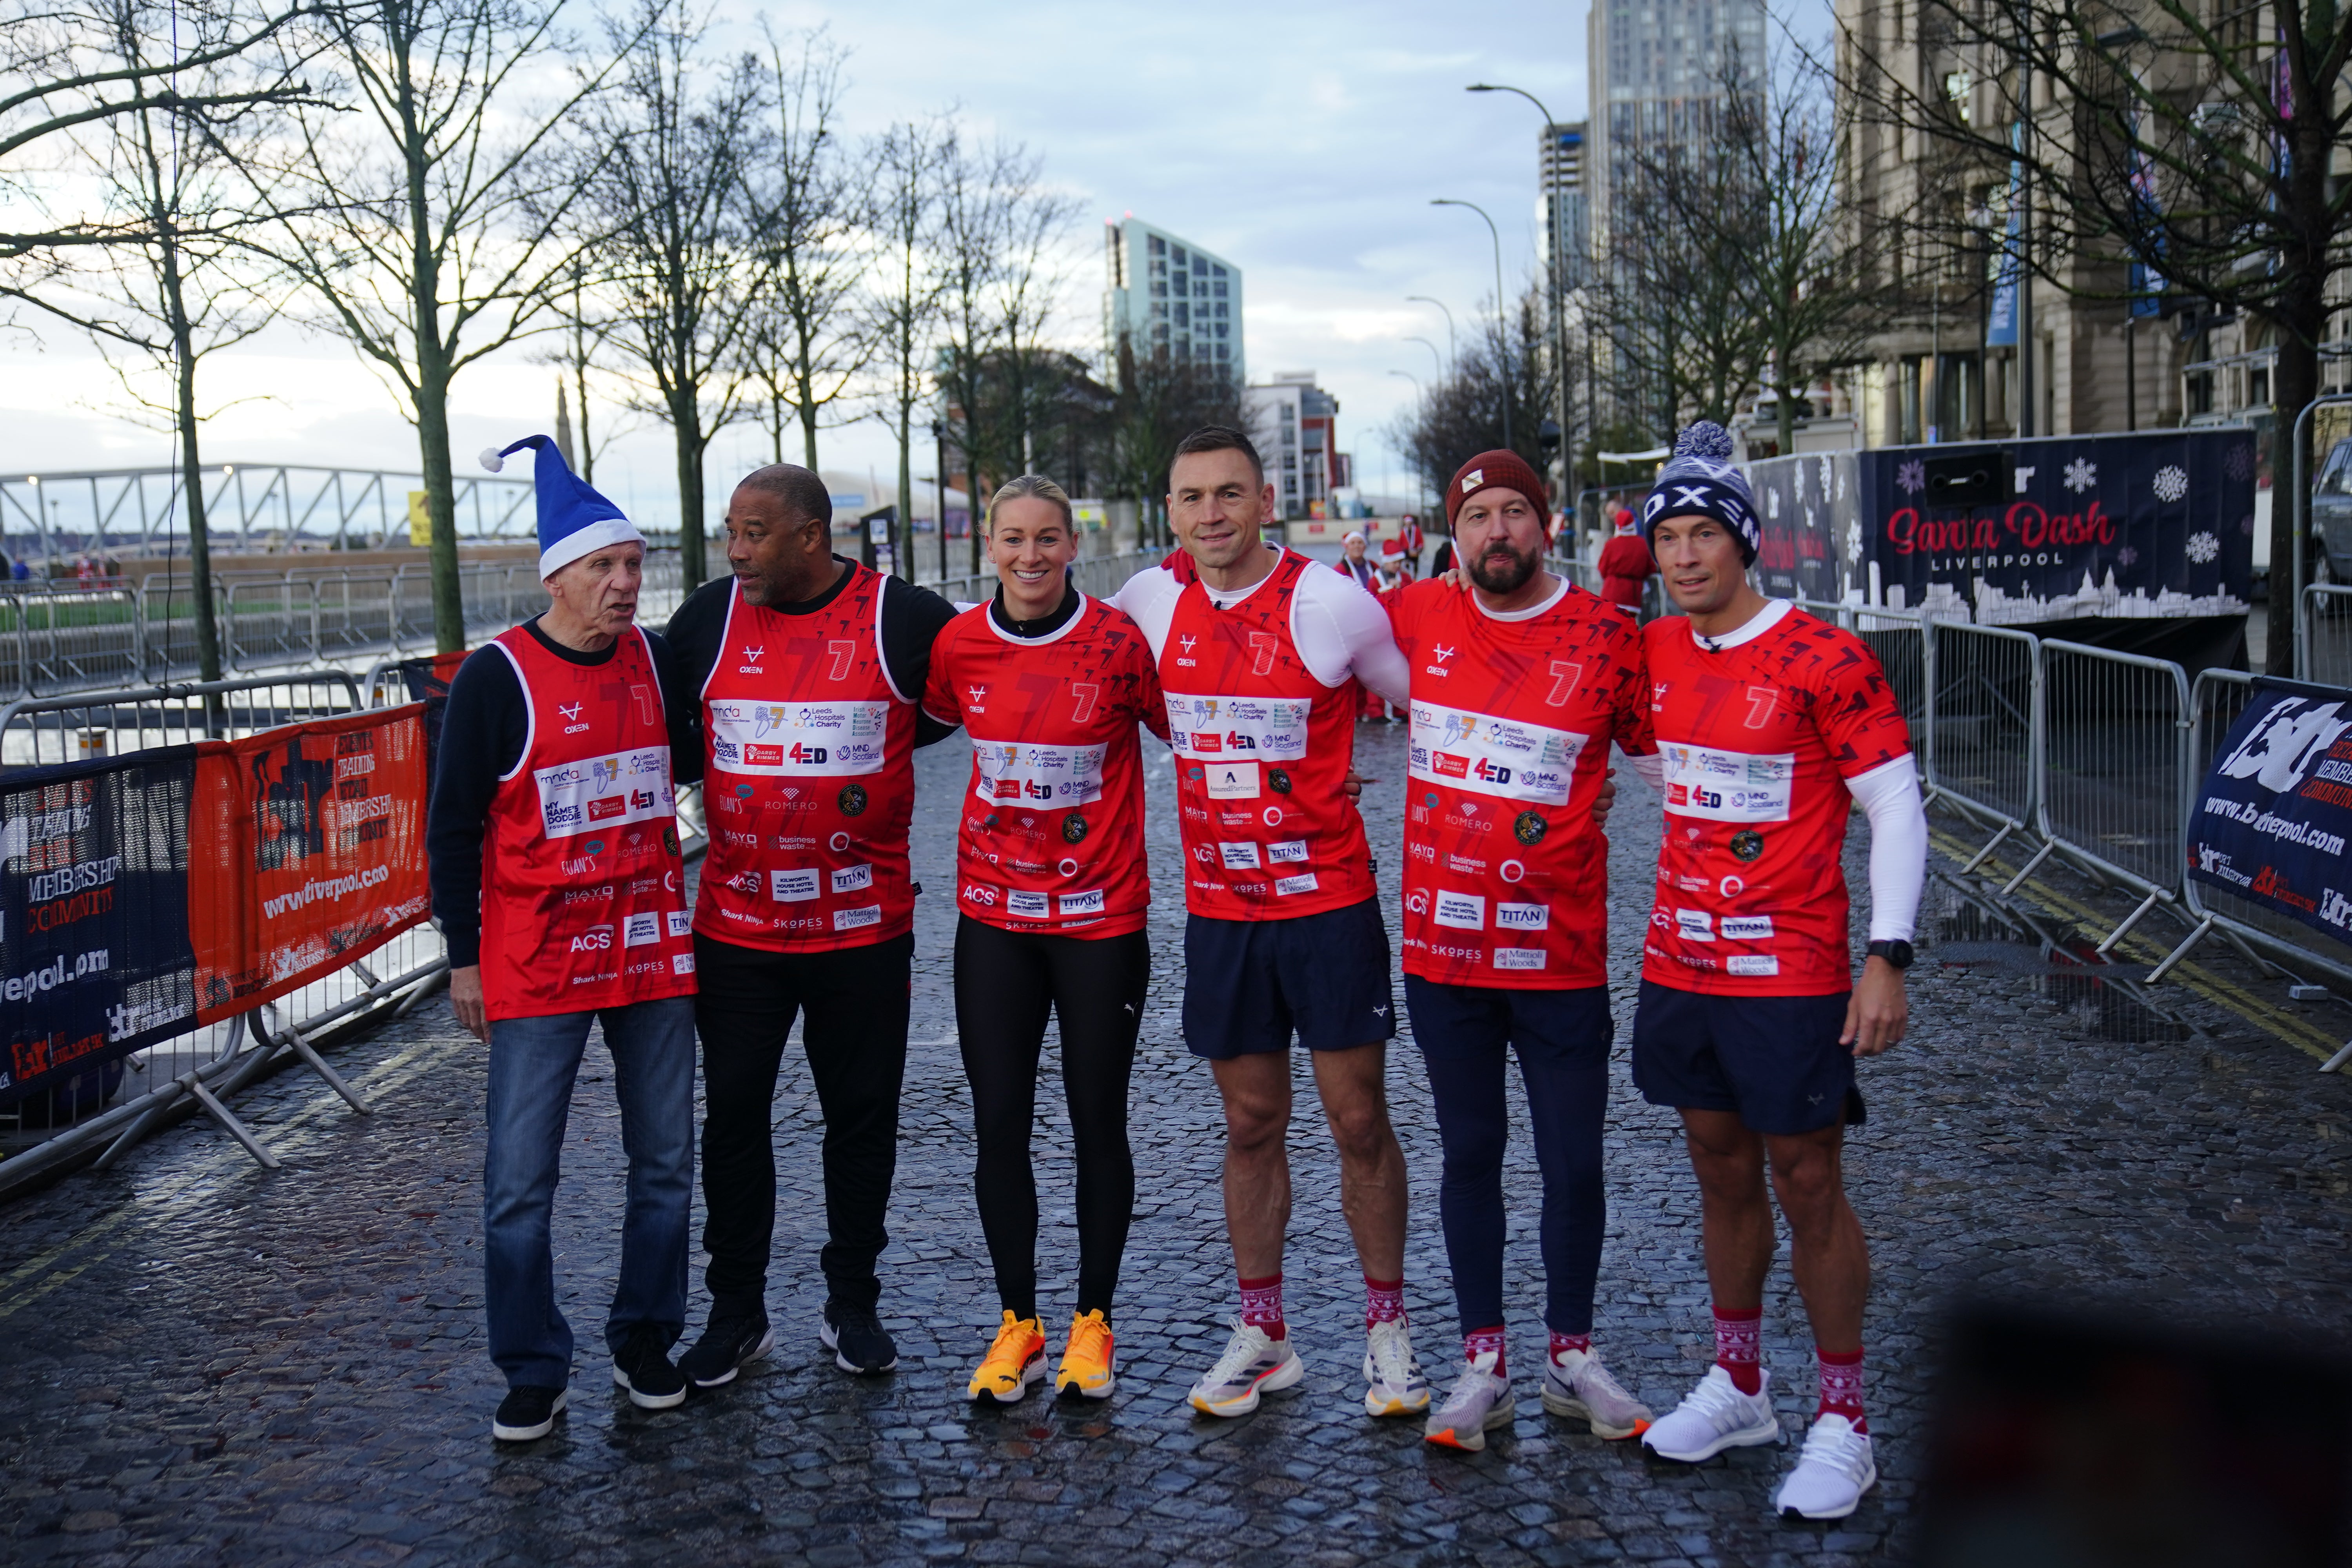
<point x="1700" y="480"/>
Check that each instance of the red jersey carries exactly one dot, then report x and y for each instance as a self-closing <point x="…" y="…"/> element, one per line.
<point x="583" y="895"/>
<point x="1262" y="751"/>
<point x="809" y="776"/>
<point x="1505" y="873"/>
<point x="1052" y="838"/>
<point x="1757" y="740"/>
<point x="1625" y="564"/>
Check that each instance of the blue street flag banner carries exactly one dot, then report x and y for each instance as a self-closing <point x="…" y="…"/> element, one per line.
<point x="2000" y="317"/>
<point x="2273" y="816"/>
<point x="95" y="961"/>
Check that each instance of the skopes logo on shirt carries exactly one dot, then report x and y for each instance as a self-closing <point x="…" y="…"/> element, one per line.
<point x="1462" y="911"/>
<point x="1494" y="756"/>
<point x="1521" y="917"/>
<point x="1269" y="729"/>
<point x="803" y="738"/>
<point x="575" y="796"/>
<point x="1727" y="786"/>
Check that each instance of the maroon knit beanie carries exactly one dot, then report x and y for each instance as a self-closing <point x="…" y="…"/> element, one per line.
<point x="1493" y="470"/>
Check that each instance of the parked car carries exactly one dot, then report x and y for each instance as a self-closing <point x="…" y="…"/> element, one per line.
<point x="2331" y="511"/>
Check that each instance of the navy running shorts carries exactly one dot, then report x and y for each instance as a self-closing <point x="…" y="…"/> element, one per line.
<point x="1775" y="1060"/>
<point x="1248" y="984"/>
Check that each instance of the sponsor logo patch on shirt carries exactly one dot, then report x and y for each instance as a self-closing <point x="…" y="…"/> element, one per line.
<point x="1727" y="786"/>
<point x="1695" y="925"/>
<point x="1463" y="911"/>
<point x="1518" y="958"/>
<point x="793" y="887"/>
<point x="604" y="792"/>
<point x="784" y="738"/>
<point x="1753" y="963"/>
<point x="1493" y="756"/>
<point x="1748" y="928"/>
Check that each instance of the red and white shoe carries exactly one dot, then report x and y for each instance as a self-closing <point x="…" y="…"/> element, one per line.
<point x="1252" y="1365"/>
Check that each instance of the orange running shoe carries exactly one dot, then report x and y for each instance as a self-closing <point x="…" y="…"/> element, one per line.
<point x="1085" y="1364"/>
<point x="1015" y="1361"/>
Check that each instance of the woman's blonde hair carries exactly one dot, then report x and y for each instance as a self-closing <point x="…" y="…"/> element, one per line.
<point x="1036" y="485"/>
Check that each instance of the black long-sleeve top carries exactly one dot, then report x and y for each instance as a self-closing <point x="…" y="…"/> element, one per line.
<point x="483" y="732"/>
<point x="912" y="618"/>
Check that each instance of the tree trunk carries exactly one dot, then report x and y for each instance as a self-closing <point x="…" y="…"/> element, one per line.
<point x="2296" y="382"/>
<point x="902" y="549"/>
<point x="971" y="504"/>
<point x="200" y="547"/>
<point x="686" y="426"/>
<point x="440" y="486"/>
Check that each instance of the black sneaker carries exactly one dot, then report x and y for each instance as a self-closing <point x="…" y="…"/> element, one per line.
<point x="643" y="1368"/>
<point x="526" y="1414"/>
<point x="726" y="1342"/>
<point x="858" y="1339"/>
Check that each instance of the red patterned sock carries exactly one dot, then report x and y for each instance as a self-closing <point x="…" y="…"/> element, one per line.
<point x="1262" y="1305"/>
<point x="1383" y="1300"/>
<point x="1842" y="1386"/>
<point x="1479" y="1341"/>
<point x="1739" y="1346"/>
<point x="1564" y="1343"/>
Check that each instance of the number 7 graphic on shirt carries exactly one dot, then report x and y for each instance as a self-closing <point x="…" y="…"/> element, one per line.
<point x="1262" y="652"/>
<point x="843" y="651"/>
<point x="1085" y="691"/>
<point x="1564" y="676"/>
<point x="1760" y="701"/>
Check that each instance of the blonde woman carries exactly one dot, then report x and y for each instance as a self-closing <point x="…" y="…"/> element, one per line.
<point x="1052" y="892"/>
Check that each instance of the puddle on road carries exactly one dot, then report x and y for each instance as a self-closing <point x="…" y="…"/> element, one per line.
<point x="1966" y="932"/>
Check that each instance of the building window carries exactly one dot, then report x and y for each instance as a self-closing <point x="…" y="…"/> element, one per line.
<point x="1159" y="245"/>
<point x="1221" y="313"/>
<point x="1223" y="353"/>
<point x="1223" y="330"/>
<point x="1159" y="309"/>
<point x="1160" y="286"/>
<point x="1176" y="256"/>
<point x="1220" y="286"/>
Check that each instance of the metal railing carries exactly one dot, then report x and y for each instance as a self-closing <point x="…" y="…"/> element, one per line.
<point x="35" y="731"/>
<point x="1904" y="652"/>
<point x="2114" y="772"/>
<point x="2324" y="635"/>
<point x="1984" y="722"/>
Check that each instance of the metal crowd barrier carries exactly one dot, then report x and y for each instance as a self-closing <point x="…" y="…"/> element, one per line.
<point x="2324" y="635"/>
<point x="2114" y="770"/>
<point x="1984" y="721"/>
<point x="1904" y="652"/>
<point x="36" y="731"/>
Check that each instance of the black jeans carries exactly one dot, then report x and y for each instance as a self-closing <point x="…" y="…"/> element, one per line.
<point x="855" y="1004"/>
<point x="1007" y="984"/>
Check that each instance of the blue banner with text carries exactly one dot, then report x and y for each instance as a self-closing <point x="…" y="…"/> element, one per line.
<point x="2273" y="815"/>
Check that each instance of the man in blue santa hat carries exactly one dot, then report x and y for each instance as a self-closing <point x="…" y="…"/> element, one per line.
<point x="558" y="885"/>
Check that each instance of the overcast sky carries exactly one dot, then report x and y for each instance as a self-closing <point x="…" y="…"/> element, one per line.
<point x="1302" y="142"/>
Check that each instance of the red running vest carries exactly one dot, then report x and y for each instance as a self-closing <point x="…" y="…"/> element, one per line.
<point x="809" y="778"/>
<point x="1505" y="873"/>
<point x="1757" y="740"/>
<point x="1052" y="839"/>
<point x="1262" y="751"/>
<point x="583" y="895"/>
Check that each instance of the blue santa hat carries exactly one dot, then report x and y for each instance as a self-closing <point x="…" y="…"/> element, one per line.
<point x="573" y="520"/>
<point x="1701" y="480"/>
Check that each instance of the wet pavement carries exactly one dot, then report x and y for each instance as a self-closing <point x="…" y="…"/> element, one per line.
<point x="209" y="1363"/>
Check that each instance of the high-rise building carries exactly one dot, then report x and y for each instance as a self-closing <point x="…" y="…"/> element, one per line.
<point x="1559" y="175"/>
<point x="1656" y="76"/>
<point x="1169" y="295"/>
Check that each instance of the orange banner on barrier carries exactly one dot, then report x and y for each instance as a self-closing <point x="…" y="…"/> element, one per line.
<point x="306" y="851"/>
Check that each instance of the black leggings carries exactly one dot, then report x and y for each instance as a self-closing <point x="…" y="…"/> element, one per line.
<point x="1005" y="985"/>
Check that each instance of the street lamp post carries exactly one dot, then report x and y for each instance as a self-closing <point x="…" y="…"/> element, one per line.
<point x="1425" y="343"/>
<point x="1558" y="305"/>
<point x="1421" y="398"/>
<point x="1502" y="323"/>
<point x="1426" y="299"/>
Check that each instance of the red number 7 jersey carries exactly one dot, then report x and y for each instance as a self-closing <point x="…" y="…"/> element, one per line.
<point x="1758" y="739"/>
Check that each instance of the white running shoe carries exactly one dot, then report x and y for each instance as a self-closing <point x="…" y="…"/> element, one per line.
<point x="1253" y="1364"/>
<point x="1576" y="1384"/>
<point x="1478" y="1403"/>
<point x="1831" y="1474"/>
<point x="1714" y="1416"/>
<point x="1397" y="1387"/>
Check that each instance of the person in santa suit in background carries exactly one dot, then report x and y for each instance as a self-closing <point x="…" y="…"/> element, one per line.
<point x="1625" y="564"/>
<point x="810" y="666"/>
<point x="1353" y="561"/>
<point x="1052" y="893"/>
<point x="551" y="842"/>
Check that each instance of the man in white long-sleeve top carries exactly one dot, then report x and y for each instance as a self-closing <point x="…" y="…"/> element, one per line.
<point x="1768" y="725"/>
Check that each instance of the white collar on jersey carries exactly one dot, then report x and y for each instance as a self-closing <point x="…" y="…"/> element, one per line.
<point x="1558" y="592"/>
<point x="1225" y="599"/>
<point x="1770" y="615"/>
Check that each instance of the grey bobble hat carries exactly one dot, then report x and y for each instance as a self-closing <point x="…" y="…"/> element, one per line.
<point x="1700" y="480"/>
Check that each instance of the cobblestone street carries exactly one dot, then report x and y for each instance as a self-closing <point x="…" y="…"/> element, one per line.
<point x="211" y="1364"/>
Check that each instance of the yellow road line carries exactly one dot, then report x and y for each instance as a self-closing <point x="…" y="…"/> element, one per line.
<point x="2297" y="1032"/>
<point x="46" y="1286"/>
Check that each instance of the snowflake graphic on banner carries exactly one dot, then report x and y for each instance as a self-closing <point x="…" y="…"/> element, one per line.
<point x="2171" y="482"/>
<point x="2203" y="547"/>
<point x="2240" y="462"/>
<point x="1911" y="477"/>
<point x="2080" y="475"/>
<point x="1853" y="542"/>
<point x="2127" y="556"/>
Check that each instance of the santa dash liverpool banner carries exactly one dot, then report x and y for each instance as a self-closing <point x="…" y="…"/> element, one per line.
<point x="310" y="841"/>
<point x="2274" y="814"/>
<point x="95" y="960"/>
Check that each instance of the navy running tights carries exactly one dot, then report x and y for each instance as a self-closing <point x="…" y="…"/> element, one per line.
<point x="1466" y="1034"/>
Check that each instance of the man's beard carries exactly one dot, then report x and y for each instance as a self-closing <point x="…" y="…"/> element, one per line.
<point x="1503" y="577"/>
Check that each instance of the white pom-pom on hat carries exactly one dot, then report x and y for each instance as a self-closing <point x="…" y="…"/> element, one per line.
<point x="1704" y="438"/>
<point x="493" y="460"/>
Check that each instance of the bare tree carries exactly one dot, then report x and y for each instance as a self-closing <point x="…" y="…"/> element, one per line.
<point x="1160" y="400"/>
<point x="812" y="208"/>
<point x="437" y="227"/>
<point x="905" y="291"/>
<point x="2192" y="145"/>
<point x="1461" y="415"/>
<point x="972" y="224"/>
<point x="1030" y="276"/>
<point x="682" y="256"/>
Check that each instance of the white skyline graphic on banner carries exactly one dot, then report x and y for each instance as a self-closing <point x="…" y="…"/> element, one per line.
<point x="1995" y="607"/>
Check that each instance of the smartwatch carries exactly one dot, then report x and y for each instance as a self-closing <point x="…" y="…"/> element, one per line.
<point x="1898" y="952"/>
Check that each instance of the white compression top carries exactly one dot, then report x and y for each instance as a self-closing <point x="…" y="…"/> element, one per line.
<point x="1889" y="796"/>
<point x="1338" y="629"/>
